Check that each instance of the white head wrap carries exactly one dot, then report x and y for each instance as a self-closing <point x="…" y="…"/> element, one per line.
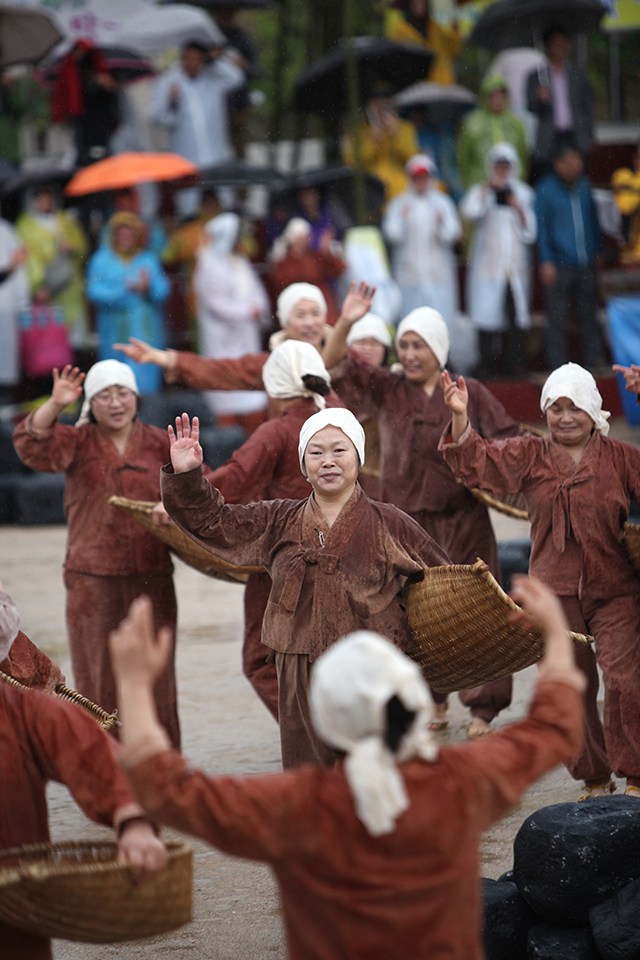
<point x="9" y="624"/>
<point x="420" y="163"/>
<point x="293" y="294"/>
<point x="296" y="228"/>
<point x="430" y="325"/>
<point x="223" y="232"/>
<point x="573" y="381"/>
<point x="506" y="153"/>
<point x="332" y="417"/>
<point x="370" y="326"/>
<point x="283" y="372"/>
<point x="106" y="373"/>
<point x="351" y="685"/>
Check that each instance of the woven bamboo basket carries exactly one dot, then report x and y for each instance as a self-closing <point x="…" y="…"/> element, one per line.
<point x="511" y="504"/>
<point x="180" y="544"/>
<point x="463" y="637"/>
<point x="78" y="891"/>
<point x="106" y="720"/>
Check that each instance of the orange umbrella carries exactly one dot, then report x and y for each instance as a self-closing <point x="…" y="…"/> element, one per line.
<point x="127" y="169"/>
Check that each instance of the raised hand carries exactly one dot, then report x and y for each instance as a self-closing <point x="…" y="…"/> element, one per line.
<point x="357" y="302"/>
<point x="141" y="352"/>
<point x="67" y="386"/>
<point x="137" y="654"/>
<point x="540" y="607"/>
<point x="186" y="452"/>
<point x="631" y="376"/>
<point x="141" y="850"/>
<point x="456" y="395"/>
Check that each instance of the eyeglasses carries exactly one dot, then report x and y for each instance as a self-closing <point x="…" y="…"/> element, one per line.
<point x="107" y="397"/>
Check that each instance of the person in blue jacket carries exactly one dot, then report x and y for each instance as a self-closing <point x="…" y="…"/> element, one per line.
<point x="569" y="241"/>
<point x="127" y="286"/>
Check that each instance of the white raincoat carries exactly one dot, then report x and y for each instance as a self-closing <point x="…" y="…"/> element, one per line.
<point x="499" y="250"/>
<point x="422" y="230"/>
<point x="228" y="291"/>
<point x="14" y="298"/>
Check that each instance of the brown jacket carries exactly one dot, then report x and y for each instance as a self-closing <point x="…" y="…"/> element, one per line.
<point x="326" y="581"/>
<point x="577" y="513"/>
<point x="102" y="540"/>
<point x="203" y="373"/>
<point x="414" y="893"/>
<point x="414" y="474"/>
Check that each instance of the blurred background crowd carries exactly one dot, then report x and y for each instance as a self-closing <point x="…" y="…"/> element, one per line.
<point x="168" y="169"/>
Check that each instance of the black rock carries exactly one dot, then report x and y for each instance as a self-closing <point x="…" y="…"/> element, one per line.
<point x="506" y="877"/>
<point x="547" y="942"/>
<point x="570" y="857"/>
<point x="514" y="558"/>
<point x="507" y="920"/>
<point x="38" y="499"/>
<point x="10" y="462"/>
<point x="7" y="497"/>
<point x="219" y="444"/>
<point x="615" y="925"/>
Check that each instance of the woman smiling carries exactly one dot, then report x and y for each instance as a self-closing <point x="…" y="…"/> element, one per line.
<point x="337" y="560"/>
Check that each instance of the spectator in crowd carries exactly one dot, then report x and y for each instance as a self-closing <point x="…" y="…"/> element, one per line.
<point x="491" y="123"/>
<point x="625" y="183"/>
<point x="232" y="307"/>
<point x="127" y="200"/>
<point x="319" y="214"/>
<point x="86" y="96"/>
<point x="413" y="23"/>
<point x="181" y="250"/>
<point x="560" y="97"/>
<point x="386" y="143"/>
<point x="14" y="298"/>
<point x="57" y="249"/>
<point x="422" y="226"/>
<point x="21" y="97"/>
<point x="239" y="100"/>
<point x="191" y="101"/>
<point x="498" y="278"/>
<point x="294" y="261"/>
<point x="127" y="286"/>
<point x="569" y="240"/>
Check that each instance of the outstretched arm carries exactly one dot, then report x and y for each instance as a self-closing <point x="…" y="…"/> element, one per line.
<point x="356" y="304"/>
<point x="456" y="398"/>
<point x="141" y="352"/>
<point x="631" y="376"/>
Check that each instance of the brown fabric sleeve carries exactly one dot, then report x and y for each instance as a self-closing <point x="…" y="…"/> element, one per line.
<point x="250" y="469"/>
<point x="28" y="665"/>
<point x="50" y="451"/>
<point x="201" y="373"/>
<point x="498" y="466"/>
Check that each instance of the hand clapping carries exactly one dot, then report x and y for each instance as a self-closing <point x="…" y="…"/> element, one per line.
<point x="186" y="452"/>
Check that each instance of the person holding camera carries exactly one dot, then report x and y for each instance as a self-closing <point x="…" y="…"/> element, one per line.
<point x="498" y="278"/>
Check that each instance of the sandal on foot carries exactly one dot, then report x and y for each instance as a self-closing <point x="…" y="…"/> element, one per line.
<point x="601" y="790"/>
<point x="474" y="732"/>
<point x="439" y="723"/>
<point x="632" y="791"/>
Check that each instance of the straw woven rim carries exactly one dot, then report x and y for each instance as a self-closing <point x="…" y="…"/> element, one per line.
<point x="179" y="543"/>
<point x="463" y="637"/>
<point x="106" y="720"/>
<point x="631" y="541"/>
<point x="78" y="891"/>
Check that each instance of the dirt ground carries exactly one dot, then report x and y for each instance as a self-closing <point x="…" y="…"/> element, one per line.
<point x="225" y="729"/>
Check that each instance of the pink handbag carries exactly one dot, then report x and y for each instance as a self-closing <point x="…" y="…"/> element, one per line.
<point x="44" y="341"/>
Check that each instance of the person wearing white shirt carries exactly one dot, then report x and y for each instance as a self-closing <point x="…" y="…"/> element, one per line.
<point x="422" y="226"/>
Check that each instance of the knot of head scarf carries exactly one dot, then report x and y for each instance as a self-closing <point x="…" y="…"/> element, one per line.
<point x="573" y="381"/>
<point x="101" y="376"/>
<point x="331" y="417"/>
<point x="9" y="624"/>
<point x="283" y="372"/>
<point x="296" y="228"/>
<point x="505" y="153"/>
<point x="430" y="325"/>
<point x="292" y="295"/>
<point x="351" y="685"/>
<point x="222" y="233"/>
<point x="370" y="326"/>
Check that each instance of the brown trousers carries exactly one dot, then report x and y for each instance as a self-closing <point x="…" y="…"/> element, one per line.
<point x="465" y="537"/>
<point x="261" y="675"/>
<point x="95" y="607"/>
<point x="615" y="625"/>
<point x="299" y="742"/>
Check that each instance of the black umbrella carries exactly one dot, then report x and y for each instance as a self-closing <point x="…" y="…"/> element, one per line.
<point x="521" y="23"/>
<point x="7" y="172"/>
<point x="438" y="101"/>
<point x="125" y="66"/>
<point x="336" y="186"/>
<point x="32" y="178"/>
<point x="26" y="36"/>
<point x="322" y="87"/>
<point x="236" y="173"/>
<point x="214" y="4"/>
